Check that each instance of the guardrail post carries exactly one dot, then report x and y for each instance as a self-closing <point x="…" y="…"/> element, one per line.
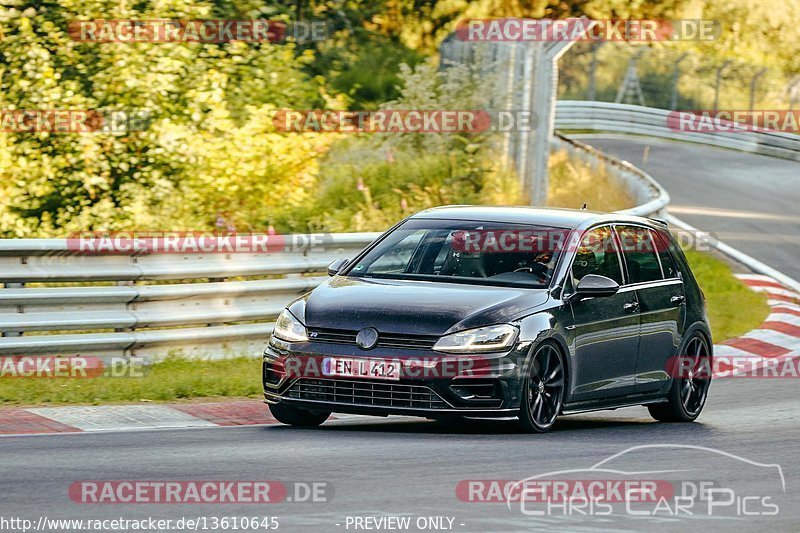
<point x="20" y="309"/>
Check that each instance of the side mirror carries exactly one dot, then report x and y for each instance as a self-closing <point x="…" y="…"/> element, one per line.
<point x="336" y="265"/>
<point x="594" y="286"/>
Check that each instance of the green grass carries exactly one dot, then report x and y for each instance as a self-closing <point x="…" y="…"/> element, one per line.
<point x="733" y="309"/>
<point x="574" y="182"/>
<point x="171" y="380"/>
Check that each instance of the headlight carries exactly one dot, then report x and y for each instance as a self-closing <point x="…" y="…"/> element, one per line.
<point x="288" y="328"/>
<point x="488" y="339"/>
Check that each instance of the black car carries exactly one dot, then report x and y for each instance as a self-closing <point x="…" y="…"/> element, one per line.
<point x="497" y="312"/>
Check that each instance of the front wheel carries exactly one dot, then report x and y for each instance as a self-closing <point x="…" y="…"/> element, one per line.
<point x="543" y="391"/>
<point x="689" y="389"/>
<point x="294" y="416"/>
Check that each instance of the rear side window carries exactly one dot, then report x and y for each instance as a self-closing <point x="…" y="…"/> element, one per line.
<point x="597" y="254"/>
<point x="640" y="254"/>
<point x="667" y="261"/>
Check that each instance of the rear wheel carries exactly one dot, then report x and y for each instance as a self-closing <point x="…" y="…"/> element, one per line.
<point x="294" y="416"/>
<point x="689" y="389"/>
<point x="543" y="390"/>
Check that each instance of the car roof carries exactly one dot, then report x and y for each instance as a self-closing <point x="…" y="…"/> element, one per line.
<point x="551" y="217"/>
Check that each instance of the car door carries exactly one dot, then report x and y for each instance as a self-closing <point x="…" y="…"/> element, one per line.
<point x="659" y="290"/>
<point x="605" y="330"/>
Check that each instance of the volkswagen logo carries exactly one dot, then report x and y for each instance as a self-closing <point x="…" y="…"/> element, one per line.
<point x="367" y="338"/>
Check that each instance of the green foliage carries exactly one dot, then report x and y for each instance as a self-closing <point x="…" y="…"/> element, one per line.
<point x="574" y="182"/>
<point x="368" y="75"/>
<point x="212" y="152"/>
<point x="368" y="182"/>
<point x="210" y="148"/>
<point x="733" y="308"/>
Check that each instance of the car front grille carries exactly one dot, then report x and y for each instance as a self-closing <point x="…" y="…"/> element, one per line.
<point x="385" y="340"/>
<point x="366" y="393"/>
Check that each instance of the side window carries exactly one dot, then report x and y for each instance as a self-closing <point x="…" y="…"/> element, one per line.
<point x="667" y="262"/>
<point x="640" y="254"/>
<point x="597" y="254"/>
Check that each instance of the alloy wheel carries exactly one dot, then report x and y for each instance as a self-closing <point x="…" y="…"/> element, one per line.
<point x="545" y="386"/>
<point x="694" y="384"/>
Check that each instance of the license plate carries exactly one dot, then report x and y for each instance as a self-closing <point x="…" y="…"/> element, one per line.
<point x="352" y="367"/>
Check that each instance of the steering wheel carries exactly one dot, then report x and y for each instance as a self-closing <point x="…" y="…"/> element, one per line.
<point x="536" y="268"/>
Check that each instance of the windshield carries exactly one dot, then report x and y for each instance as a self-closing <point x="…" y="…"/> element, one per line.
<point x="484" y="253"/>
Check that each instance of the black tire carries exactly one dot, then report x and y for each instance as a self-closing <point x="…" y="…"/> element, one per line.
<point x="688" y="393"/>
<point x="294" y="416"/>
<point x="543" y="390"/>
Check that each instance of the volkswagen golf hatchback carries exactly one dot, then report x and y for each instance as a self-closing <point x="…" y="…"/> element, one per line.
<point x="497" y="312"/>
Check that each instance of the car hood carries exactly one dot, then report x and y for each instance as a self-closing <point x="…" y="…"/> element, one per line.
<point x="415" y="307"/>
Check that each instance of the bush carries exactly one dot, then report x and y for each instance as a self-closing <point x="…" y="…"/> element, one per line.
<point x="210" y="148"/>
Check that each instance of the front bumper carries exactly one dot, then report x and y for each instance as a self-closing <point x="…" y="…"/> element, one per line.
<point x="432" y="384"/>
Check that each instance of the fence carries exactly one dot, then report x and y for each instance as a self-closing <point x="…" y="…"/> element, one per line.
<point x="527" y="77"/>
<point x="671" y="75"/>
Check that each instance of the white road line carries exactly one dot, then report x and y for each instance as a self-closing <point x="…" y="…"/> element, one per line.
<point x="118" y="417"/>
<point x="751" y="262"/>
<point x="729" y="213"/>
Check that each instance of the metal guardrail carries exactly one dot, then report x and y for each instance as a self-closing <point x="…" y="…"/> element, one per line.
<point x="638" y="120"/>
<point x="197" y="316"/>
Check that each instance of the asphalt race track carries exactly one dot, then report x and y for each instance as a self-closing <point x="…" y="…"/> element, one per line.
<point x="400" y="466"/>
<point x="751" y="202"/>
<point x="409" y="467"/>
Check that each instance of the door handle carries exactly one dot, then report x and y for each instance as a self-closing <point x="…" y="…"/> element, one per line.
<point x="677" y="299"/>
<point x="632" y="306"/>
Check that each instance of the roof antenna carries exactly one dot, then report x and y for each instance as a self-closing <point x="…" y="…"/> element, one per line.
<point x="583" y="208"/>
